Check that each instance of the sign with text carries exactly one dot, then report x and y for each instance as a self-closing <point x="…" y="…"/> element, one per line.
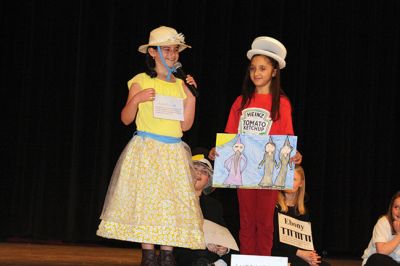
<point x="252" y="260"/>
<point x="295" y="232"/>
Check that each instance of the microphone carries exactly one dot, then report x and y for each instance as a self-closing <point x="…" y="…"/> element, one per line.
<point x="182" y="75"/>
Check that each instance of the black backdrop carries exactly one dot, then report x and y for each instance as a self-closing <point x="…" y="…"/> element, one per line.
<point x="64" y="67"/>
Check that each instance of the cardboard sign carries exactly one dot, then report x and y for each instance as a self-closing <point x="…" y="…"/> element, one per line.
<point x="295" y="232"/>
<point x="219" y="235"/>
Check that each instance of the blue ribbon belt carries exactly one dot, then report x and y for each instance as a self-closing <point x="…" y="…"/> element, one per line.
<point x="161" y="138"/>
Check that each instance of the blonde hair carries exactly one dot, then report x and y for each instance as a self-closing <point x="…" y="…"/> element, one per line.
<point x="299" y="198"/>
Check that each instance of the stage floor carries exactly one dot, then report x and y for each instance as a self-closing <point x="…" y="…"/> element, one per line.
<point x="24" y="254"/>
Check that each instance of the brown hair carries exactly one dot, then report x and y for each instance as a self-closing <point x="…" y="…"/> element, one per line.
<point x="248" y="88"/>
<point x="150" y="64"/>
<point x="389" y="214"/>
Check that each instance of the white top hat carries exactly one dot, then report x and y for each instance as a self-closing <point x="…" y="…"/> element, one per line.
<point x="270" y="47"/>
<point x="163" y="36"/>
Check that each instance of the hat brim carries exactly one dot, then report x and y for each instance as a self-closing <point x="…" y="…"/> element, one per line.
<point x="254" y="52"/>
<point x="204" y="162"/>
<point x="182" y="46"/>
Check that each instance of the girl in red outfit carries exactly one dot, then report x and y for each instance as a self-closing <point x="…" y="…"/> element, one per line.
<point x="262" y="96"/>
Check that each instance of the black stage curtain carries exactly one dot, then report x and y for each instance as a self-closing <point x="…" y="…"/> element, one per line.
<point x="64" y="68"/>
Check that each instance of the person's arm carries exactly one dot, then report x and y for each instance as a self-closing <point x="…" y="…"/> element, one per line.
<point x="388" y="247"/>
<point x="136" y="95"/>
<point x="310" y="256"/>
<point x="189" y="105"/>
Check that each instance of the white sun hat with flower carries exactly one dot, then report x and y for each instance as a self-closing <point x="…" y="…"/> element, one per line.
<point x="164" y="36"/>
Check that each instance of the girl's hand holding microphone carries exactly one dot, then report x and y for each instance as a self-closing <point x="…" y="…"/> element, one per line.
<point x="189" y="81"/>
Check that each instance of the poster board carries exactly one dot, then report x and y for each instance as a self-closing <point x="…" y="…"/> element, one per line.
<point x="254" y="161"/>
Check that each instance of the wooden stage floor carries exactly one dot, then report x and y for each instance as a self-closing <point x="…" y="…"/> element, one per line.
<point x="25" y="254"/>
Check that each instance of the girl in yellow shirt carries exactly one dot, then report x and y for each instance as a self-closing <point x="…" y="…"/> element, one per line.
<point x="151" y="198"/>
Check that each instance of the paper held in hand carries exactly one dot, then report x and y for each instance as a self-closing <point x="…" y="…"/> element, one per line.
<point x="219" y="235"/>
<point x="167" y="107"/>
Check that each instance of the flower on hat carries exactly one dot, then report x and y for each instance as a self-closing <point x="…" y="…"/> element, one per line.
<point x="177" y="38"/>
<point x="164" y="36"/>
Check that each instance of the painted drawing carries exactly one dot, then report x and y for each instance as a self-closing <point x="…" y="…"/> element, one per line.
<point x="254" y="161"/>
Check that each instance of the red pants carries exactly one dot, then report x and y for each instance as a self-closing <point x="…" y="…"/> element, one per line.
<point x="256" y="207"/>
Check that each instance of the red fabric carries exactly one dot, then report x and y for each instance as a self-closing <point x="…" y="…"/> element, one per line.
<point x="256" y="206"/>
<point x="283" y="126"/>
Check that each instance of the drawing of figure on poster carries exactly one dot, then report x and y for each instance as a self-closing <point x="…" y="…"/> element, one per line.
<point x="269" y="164"/>
<point x="235" y="165"/>
<point x="258" y="162"/>
<point x="283" y="164"/>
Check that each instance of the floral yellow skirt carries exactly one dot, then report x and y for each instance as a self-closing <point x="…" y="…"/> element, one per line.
<point x="151" y="197"/>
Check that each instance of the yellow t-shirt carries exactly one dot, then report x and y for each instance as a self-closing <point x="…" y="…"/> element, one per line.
<point x="144" y="117"/>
